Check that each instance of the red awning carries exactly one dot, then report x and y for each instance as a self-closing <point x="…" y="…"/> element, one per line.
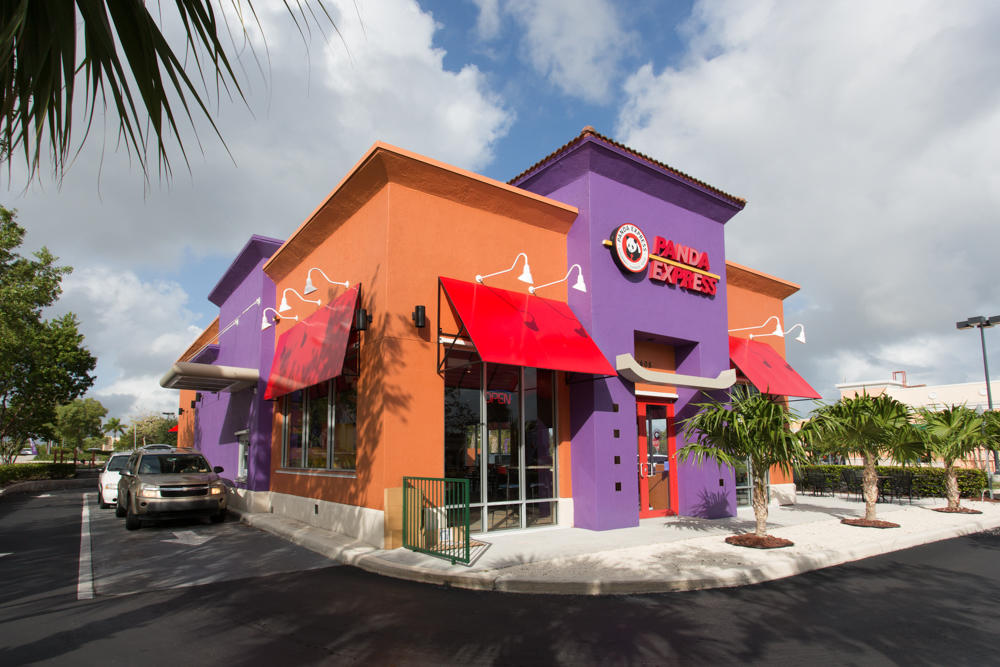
<point x="524" y="330"/>
<point x="313" y="350"/>
<point x="173" y="430"/>
<point x="767" y="370"/>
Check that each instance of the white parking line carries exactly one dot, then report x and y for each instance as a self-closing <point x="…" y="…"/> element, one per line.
<point x="85" y="579"/>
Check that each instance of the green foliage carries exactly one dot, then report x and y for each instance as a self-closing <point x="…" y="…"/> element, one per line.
<point x="863" y="425"/>
<point x="124" y="58"/>
<point x="148" y="430"/>
<point x="42" y="362"/>
<point x="80" y="420"/>
<point x="114" y="427"/>
<point x="23" y="472"/>
<point x="927" y="482"/>
<point x="951" y="433"/>
<point x="747" y="426"/>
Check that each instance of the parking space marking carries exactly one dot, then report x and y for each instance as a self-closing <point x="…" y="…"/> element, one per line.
<point x="85" y="578"/>
<point x="188" y="538"/>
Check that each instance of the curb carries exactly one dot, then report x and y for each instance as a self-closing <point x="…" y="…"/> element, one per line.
<point x="48" y="485"/>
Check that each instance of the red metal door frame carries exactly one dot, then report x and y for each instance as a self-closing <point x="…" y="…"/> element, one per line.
<point x="641" y="406"/>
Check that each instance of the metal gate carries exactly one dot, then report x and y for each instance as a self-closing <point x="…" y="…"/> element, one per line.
<point x="436" y="517"/>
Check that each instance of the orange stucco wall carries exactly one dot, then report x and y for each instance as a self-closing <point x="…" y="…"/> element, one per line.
<point x="752" y="298"/>
<point x="393" y="226"/>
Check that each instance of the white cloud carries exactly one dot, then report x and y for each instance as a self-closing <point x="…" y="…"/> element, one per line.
<point x="577" y="45"/>
<point x="859" y="135"/>
<point x="136" y="329"/>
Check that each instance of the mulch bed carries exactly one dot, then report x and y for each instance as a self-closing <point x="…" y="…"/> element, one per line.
<point x="956" y="510"/>
<point x="755" y="542"/>
<point x="870" y="523"/>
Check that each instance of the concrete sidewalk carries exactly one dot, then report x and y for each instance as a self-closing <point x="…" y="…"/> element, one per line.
<point x="659" y="555"/>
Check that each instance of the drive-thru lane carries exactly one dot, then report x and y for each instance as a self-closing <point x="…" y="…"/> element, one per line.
<point x="62" y="543"/>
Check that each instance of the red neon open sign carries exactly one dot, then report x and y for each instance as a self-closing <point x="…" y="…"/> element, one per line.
<point x="499" y="397"/>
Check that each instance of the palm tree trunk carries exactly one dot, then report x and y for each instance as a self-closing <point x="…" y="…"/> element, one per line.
<point x="869" y="485"/>
<point x="760" y="501"/>
<point x="951" y="487"/>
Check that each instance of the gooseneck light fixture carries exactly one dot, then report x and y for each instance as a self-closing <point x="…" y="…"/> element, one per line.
<point x="981" y="323"/>
<point x="310" y="288"/>
<point x="802" y="332"/>
<point x="284" y="307"/>
<point x="265" y="323"/>
<point x="525" y="276"/>
<point x="777" y="328"/>
<point x="579" y="285"/>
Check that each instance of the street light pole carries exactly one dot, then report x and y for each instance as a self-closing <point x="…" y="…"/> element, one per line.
<point x="983" y="323"/>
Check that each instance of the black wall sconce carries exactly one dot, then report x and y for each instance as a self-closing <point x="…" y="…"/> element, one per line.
<point x="362" y="319"/>
<point x="419" y="316"/>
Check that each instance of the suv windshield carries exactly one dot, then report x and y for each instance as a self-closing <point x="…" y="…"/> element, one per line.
<point x="117" y="463"/>
<point x="168" y="464"/>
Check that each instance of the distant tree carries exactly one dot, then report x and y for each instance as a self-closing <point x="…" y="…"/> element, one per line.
<point x="125" y="62"/>
<point x="952" y="433"/>
<point x="865" y="426"/>
<point x="748" y="425"/>
<point x="43" y="363"/>
<point x="150" y="429"/>
<point x="114" y="427"/>
<point x="79" y="420"/>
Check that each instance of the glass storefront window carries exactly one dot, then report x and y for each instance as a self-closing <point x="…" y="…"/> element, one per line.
<point x="345" y="429"/>
<point x="317" y="425"/>
<point x="500" y="434"/>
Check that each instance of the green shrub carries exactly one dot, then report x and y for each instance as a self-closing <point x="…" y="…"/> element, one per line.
<point x="22" y="472"/>
<point x="927" y="482"/>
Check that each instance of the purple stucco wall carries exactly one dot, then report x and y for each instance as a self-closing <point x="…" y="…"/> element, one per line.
<point x="610" y="187"/>
<point x="221" y="415"/>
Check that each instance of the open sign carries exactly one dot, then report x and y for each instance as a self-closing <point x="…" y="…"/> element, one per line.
<point x="499" y="397"/>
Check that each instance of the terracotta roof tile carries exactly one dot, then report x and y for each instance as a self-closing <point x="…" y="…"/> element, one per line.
<point x="590" y="131"/>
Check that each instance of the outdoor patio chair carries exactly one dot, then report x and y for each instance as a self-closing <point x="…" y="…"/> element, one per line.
<point x="818" y="482"/>
<point x="901" y="484"/>
<point x="851" y="481"/>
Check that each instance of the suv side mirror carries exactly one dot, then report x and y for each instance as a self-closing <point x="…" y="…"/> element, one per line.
<point x="125" y="473"/>
<point x="217" y="469"/>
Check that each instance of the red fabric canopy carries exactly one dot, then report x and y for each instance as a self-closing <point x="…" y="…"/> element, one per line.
<point x="173" y="430"/>
<point x="524" y="330"/>
<point x="767" y="370"/>
<point x="313" y="350"/>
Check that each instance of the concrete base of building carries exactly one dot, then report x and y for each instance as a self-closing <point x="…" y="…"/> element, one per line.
<point x="361" y="523"/>
<point x="783" y="494"/>
<point x="564" y="513"/>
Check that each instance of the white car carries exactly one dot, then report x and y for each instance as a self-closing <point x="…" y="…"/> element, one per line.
<point x="107" y="483"/>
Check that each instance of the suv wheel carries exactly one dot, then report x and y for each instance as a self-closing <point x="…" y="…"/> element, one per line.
<point x="119" y="508"/>
<point x="218" y="517"/>
<point x="132" y="520"/>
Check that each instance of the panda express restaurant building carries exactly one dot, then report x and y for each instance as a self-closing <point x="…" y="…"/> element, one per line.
<point x="560" y="403"/>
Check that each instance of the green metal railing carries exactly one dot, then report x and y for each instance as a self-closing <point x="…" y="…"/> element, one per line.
<point x="436" y="517"/>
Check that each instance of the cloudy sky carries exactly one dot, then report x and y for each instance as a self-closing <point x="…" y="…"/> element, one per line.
<point x="864" y="136"/>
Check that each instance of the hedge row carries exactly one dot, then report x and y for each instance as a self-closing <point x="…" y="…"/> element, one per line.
<point x="927" y="482"/>
<point x="22" y="472"/>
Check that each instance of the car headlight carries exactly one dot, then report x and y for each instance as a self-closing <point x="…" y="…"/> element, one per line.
<point x="217" y="489"/>
<point x="149" y="491"/>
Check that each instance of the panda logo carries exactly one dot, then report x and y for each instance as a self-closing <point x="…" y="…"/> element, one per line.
<point x="631" y="249"/>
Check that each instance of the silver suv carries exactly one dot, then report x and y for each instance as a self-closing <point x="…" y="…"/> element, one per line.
<point x="169" y="483"/>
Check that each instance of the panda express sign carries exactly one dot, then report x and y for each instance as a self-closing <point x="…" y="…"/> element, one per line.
<point x="669" y="262"/>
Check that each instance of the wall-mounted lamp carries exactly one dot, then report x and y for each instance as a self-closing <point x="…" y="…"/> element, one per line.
<point x="525" y="276"/>
<point x="362" y="319"/>
<point x="284" y="299"/>
<point x="419" y="316"/>
<point x="579" y="285"/>
<point x="265" y="323"/>
<point x="802" y="332"/>
<point x="310" y="288"/>
<point x="777" y="328"/>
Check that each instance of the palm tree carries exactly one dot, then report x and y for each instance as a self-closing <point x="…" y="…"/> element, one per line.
<point x="749" y="426"/>
<point x="865" y="426"/>
<point x="115" y="427"/>
<point x="126" y="59"/>
<point x="952" y="434"/>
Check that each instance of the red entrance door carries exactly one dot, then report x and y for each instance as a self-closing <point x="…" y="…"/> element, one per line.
<point x="657" y="459"/>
